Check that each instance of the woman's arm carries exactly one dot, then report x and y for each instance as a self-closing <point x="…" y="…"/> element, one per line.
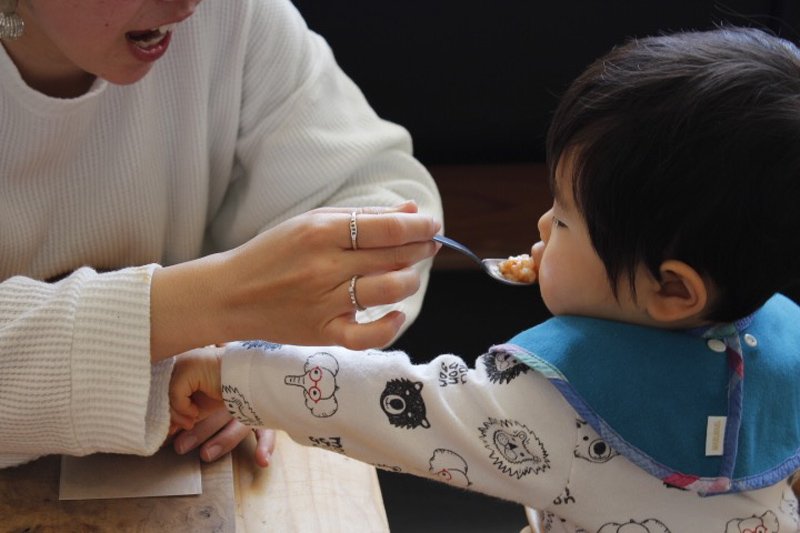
<point x="74" y="376"/>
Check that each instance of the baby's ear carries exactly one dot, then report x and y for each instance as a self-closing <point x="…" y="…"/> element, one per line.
<point x="681" y="294"/>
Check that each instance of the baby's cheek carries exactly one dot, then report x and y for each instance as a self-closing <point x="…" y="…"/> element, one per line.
<point x="548" y="286"/>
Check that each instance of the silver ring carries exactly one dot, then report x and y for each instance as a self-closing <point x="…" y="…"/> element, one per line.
<point x="352" y="290"/>
<point x="353" y="231"/>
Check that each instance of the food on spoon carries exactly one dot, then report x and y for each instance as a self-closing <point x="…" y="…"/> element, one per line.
<point x="519" y="268"/>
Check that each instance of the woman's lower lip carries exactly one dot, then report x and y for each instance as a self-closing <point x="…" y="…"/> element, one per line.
<point x="153" y="53"/>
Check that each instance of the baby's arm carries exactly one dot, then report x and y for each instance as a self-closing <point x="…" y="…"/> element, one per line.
<point x="500" y="429"/>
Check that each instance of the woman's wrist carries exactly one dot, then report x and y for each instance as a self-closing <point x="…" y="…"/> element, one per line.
<point x="186" y="307"/>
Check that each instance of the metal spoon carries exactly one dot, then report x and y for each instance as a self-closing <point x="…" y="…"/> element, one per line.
<point x="489" y="265"/>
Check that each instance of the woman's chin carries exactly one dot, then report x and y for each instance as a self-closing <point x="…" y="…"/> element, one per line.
<point x="127" y="76"/>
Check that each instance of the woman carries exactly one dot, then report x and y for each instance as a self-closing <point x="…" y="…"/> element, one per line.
<point x="147" y="148"/>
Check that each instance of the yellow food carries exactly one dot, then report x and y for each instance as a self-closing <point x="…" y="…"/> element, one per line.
<point x="518" y="268"/>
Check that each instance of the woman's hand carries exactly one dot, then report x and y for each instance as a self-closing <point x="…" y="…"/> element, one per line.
<point x="219" y="434"/>
<point x="291" y="284"/>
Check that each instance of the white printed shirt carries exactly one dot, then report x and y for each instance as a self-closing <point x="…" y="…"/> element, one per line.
<point x="499" y="428"/>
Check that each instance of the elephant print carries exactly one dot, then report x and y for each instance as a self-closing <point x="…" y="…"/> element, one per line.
<point x="318" y="382"/>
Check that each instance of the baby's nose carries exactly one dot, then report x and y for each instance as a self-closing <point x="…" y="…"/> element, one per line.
<point x="545" y="225"/>
<point x="537" y="250"/>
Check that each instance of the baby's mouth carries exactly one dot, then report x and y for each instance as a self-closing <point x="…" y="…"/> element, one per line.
<point x="148" y="38"/>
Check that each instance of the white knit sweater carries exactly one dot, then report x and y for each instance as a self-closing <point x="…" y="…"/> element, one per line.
<point x="245" y="122"/>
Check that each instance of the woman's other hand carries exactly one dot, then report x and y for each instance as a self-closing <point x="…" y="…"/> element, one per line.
<point x="219" y="434"/>
<point x="293" y="283"/>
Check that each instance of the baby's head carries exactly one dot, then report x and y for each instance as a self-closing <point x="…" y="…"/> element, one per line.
<point x="684" y="151"/>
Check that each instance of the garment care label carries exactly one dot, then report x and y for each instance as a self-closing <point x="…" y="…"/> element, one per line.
<point x="715" y="435"/>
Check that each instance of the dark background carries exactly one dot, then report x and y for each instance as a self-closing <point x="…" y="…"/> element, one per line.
<point x="475" y="82"/>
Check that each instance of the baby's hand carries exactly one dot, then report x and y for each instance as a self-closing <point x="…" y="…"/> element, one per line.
<point x="195" y="388"/>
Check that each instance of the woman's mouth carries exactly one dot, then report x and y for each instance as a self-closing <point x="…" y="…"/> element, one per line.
<point x="147" y="39"/>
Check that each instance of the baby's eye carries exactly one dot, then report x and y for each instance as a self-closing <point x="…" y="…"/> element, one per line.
<point x="558" y="224"/>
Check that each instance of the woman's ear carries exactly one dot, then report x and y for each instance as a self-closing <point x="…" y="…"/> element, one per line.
<point x="681" y="293"/>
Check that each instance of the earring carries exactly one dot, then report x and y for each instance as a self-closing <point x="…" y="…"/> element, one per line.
<point x="11" y="24"/>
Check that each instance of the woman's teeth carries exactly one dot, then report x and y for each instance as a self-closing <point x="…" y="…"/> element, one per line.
<point x="148" y="38"/>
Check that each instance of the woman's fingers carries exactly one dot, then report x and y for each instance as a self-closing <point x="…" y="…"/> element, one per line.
<point x="219" y="434"/>
<point x="366" y="227"/>
<point x="225" y="440"/>
<point x="379" y="260"/>
<point x="389" y="229"/>
<point x="265" y="445"/>
<point x="409" y="206"/>
<point x="345" y="331"/>
<point x="204" y="430"/>
<point x="369" y="291"/>
<point x="386" y="288"/>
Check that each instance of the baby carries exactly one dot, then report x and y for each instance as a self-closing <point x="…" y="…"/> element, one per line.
<point x="668" y="372"/>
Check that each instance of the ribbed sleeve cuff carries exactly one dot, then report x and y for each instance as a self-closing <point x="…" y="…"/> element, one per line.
<point x="119" y="399"/>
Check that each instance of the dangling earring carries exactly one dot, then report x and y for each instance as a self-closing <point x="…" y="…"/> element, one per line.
<point x="11" y="24"/>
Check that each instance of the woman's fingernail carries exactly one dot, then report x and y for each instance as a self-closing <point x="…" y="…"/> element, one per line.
<point x="186" y="443"/>
<point x="212" y="452"/>
<point x="406" y="204"/>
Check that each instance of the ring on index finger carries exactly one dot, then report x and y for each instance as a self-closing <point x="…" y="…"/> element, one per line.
<point x="351" y="289"/>
<point x="353" y="231"/>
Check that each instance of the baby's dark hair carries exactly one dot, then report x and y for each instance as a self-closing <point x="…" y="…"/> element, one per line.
<point x="687" y="146"/>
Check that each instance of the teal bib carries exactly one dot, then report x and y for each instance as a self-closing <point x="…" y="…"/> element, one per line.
<point x="656" y="396"/>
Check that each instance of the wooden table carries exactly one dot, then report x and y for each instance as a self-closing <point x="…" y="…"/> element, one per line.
<point x="304" y="489"/>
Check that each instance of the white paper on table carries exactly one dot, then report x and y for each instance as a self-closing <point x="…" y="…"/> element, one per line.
<point x="108" y="476"/>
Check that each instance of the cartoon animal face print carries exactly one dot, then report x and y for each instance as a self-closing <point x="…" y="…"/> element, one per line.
<point x="502" y="367"/>
<point x="402" y="402"/>
<point x="651" y="525"/>
<point x="318" y="383"/>
<point x="239" y="407"/>
<point x="261" y="345"/>
<point x="766" y="523"/>
<point x="515" y="449"/>
<point x="590" y="446"/>
<point x="449" y="467"/>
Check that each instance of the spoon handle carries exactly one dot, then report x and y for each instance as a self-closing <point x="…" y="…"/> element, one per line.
<point x="450" y="243"/>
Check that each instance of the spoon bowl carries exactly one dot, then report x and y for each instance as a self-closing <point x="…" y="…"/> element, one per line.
<point x="489" y="265"/>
